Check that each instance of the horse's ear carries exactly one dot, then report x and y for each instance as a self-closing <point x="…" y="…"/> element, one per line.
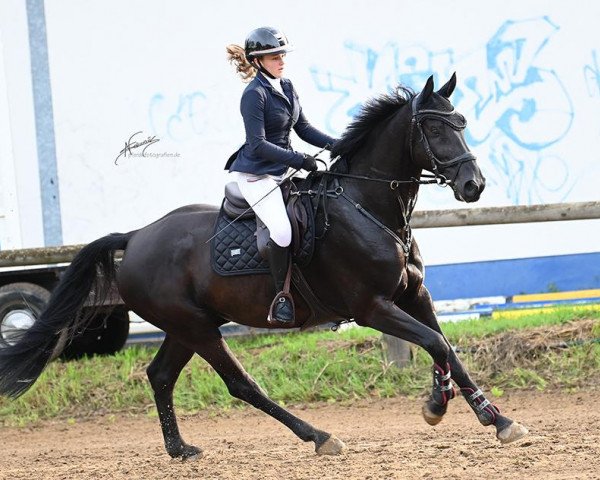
<point x="447" y="89"/>
<point x="427" y="90"/>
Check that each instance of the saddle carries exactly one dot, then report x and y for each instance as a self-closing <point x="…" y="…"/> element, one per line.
<point x="237" y="246"/>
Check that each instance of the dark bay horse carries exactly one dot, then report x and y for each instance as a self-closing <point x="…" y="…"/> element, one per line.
<point x="367" y="268"/>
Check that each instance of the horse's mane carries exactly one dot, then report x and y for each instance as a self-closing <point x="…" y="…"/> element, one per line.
<point x="373" y="112"/>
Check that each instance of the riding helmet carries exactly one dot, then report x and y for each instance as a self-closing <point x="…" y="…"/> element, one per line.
<point x="266" y="40"/>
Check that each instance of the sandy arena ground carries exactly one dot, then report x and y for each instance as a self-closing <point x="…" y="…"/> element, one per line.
<point x="384" y="438"/>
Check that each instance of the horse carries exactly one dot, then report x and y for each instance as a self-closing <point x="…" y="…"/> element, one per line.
<point x="366" y="268"/>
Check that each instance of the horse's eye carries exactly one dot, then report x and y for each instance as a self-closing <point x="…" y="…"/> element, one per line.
<point x="435" y="130"/>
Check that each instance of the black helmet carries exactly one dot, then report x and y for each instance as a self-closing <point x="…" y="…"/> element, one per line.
<point x="265" y="40"/>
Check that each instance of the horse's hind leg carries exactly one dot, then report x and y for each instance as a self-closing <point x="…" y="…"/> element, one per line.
<point x="507" y="430"/>
<point x="163" y="373"/>
<point x="241" y="385"/>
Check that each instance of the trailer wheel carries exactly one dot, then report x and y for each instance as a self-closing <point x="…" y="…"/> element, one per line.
<point x="20" y="305"/>
<point x="105" y="335"/>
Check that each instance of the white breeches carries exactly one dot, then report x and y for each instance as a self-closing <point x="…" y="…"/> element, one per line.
<point x="271" y="209"/>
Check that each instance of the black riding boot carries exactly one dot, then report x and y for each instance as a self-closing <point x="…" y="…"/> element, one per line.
<point x="282" y="309"/>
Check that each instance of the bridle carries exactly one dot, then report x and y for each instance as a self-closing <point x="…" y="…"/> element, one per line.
<point x="418" y="116"/>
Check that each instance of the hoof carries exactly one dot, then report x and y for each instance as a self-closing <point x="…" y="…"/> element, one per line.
<point x="192" y="458"/>
<point x="513" y="432"/>
<point x="187" y="453"/>
<point x="331" y="446"/>
<point x="430" y="417"/>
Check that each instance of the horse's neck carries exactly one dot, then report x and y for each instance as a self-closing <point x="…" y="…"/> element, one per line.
<point x="388" y="157"/>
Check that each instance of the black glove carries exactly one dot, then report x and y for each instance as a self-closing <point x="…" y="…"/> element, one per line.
<point x="309" y="163"/>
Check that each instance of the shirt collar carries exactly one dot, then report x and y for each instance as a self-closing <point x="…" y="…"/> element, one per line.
<point x="268" y="81"/>
<point x="275" y="82"/>
<point x="284" y="91"/>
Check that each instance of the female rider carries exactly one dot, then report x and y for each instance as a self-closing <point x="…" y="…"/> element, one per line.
<point x="270" y="109"/>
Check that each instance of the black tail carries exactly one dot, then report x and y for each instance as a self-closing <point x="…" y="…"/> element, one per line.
<point x="92" y="270"/>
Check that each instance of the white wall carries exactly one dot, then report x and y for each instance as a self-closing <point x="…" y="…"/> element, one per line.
<point x="528" y="85"/>
<point x="9" y="231"/>
<point x="18" y="157"/>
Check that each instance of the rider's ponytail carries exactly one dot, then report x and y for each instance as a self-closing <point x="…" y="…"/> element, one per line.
<point x="237" y="57"/>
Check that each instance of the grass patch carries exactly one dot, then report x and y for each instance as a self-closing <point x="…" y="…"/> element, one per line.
<point x="326" y="366"/>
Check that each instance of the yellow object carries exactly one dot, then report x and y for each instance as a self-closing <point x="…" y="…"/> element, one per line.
<point x="521" y="312"/>
<point x="548" y="297"/>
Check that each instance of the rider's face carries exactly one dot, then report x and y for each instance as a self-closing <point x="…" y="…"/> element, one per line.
<point x="274" y="64"/>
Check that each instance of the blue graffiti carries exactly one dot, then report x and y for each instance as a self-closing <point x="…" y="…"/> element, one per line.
<point x="179" y="120"/>
<point x="520" y="108"/>
<point x="527" y="103"/>
<point x="374" y="72"/>
<point x="591" y="74"/>
<point x="527" y="178"/>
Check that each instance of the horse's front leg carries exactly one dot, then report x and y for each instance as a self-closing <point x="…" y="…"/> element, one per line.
<point x="421" y="307"/>
<point x="387" y="317"/>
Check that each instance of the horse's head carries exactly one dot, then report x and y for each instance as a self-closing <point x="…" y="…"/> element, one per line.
<point x="438" y="144"/>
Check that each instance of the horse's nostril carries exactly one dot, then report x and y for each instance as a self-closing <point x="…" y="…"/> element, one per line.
<point x="471" y="188"/>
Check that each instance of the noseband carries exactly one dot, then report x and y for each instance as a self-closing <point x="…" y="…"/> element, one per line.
<point x="418" y="116"/>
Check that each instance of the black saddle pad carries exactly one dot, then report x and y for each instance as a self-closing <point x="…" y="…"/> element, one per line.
<point x="234" y="250"/>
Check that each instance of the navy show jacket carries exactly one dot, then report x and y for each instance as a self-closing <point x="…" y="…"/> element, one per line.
<point x="269" y="118"/>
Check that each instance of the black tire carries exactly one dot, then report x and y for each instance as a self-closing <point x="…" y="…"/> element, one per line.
<point x="22" y="299"/>
<point x="20" y="305"/>
<point x="104" y="336"/>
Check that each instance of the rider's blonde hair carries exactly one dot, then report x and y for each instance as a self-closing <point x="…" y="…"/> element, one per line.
<point x="237" y="57"/>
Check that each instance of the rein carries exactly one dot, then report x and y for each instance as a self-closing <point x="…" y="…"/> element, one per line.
<point x="394" y="184"/>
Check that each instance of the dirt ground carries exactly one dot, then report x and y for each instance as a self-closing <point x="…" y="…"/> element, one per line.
<point x="384" y="439"/>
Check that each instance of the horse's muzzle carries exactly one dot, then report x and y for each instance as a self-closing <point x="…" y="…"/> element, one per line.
<point x="470" y="191"/>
